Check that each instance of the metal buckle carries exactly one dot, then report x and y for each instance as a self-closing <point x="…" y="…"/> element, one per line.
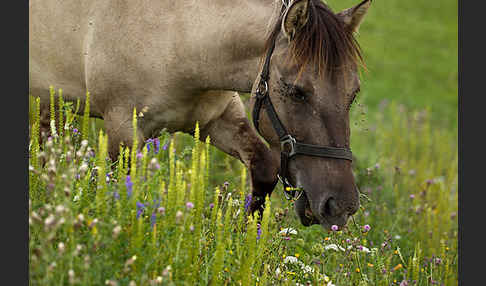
<point x="259" y="93"/>
<point x="294" y="193"/>
<point x="291" y="141"/>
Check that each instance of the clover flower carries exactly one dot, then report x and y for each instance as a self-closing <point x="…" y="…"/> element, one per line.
<point x="366" y="228"/>
<point x="189" y="205"/>
<point x="334" y="227"/>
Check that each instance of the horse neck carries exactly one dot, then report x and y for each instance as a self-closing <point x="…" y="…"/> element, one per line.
<point x="238" y="37"/>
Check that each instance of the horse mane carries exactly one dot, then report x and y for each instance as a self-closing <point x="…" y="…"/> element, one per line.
<point x="323" y="42"/>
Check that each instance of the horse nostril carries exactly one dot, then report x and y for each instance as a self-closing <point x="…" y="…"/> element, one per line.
<point x="330" y="208"/>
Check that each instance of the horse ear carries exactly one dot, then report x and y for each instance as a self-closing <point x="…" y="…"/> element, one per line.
<point x="295" y="18"/>
<point x="353" y="17"/>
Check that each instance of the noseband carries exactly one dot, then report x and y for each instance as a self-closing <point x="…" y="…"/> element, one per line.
<point x="288" y="145"/>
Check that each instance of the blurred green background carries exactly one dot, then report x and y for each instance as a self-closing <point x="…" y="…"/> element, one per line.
<point x="411" y="51"/>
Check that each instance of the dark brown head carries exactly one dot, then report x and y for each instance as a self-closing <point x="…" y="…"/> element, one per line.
<point x="313" y="80"/>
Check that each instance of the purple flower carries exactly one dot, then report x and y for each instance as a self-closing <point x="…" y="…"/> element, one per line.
<point x="139" y="155"/>
<point x="116" y="195"/>
<point x="164" y="147"/>
<point x="404" y="283"/>
<point x="161" y="210"/>
<point x="189" y="205"/>
<point x="412" y="196"/>
<point x="157" y="145"/>
<point x="75" y="131"/>
<point x="129" y="185"/>
<point x="211" y="205"/>
<point x="140" y="209"/>
<point x="149" y="142"/>
<point x="247" y="202"/>
<point x="366" y="228"/>
<point x="153" y="219"/>
<point x="259" y="231"/>
<point x="334" y="227"/>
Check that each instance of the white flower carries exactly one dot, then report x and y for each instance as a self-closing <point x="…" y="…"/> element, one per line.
<point x="278" y="271"/>
<point x="289" y="230"/>
<point x="364" y="249"/>
<point x="307" y="268"/>
<point x="291" y="259"/>
<point x="334" y="247"/>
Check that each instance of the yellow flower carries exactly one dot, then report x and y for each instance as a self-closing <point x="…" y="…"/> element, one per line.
<point x="357" y="270"/>
<point x="398" y="267"/>
<point x="297" y="255"/>
<point x="370" y="265"/>
<point x="290" y="273"/>
<point x="326" y="278"/>
<point x="327" y="238"/>
<point x="396" y="251"/>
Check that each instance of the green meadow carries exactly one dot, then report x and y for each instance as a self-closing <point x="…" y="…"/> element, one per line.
<point x="173" y="212"/>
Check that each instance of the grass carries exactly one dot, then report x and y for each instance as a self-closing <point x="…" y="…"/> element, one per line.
<point x="166" y="219"/>
<point x="177" y="216"/>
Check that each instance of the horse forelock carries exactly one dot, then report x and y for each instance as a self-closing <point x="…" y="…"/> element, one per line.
<point x="324" y="42"/>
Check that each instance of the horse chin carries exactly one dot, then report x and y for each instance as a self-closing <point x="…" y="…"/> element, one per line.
<point x="304" y="211"/>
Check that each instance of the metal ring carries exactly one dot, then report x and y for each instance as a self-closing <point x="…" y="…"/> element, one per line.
<point x="259" y="91"/>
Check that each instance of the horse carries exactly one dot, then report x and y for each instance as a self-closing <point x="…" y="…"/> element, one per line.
<point x="187" y="61"/>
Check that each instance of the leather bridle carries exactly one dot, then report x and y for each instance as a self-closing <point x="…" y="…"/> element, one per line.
<point x="290" y="147"/>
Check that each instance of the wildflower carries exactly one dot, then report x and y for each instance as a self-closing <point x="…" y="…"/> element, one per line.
<point x="327" y="238"/>
<point x="189" y="205"/>
<point x="259" y="231"/>
<point x="291" y="260"/>
<point x="166" y="270"/>
<point x="139" y="155"/>
<point x="116" y="231"/>
<point x="370" y="265"/>
<point x="191" y="228"/>
<point x="71" y="276"/>
<point x="247" y="201"/>
<point x="211" y="206"/>
<point x="412" y="196"/>
<point x="438" y="261"/>
<point x="179" y="215"/>
<point x="49" y="221"/>
<point x="334" y="247"/>
<point x="287" y="231"/>
<point x="399" y="266"/>
<point x="161" y="210"/>
<point x="61" y="247"/>
<point x="140" y="208"/>
<point x="75" y="131"/>
<point x="153" y="219"/>
<point x="334" y="227"/>
<point x="364" y="249"/>
<point x="165" y="146"/>
<point x="404" y="283"/>
<point x="129" y="185"/>
<point x="149" y="142"/>
<point x="358" y="270"/>
<point x="157" y="145"/>
<point x="366" y="228"/>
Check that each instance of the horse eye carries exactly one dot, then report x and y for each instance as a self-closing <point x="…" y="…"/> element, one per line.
<point x="297" y="93"/>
